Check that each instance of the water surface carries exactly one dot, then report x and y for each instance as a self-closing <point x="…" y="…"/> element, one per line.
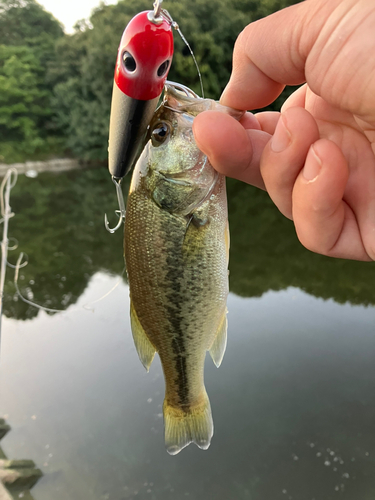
<point x="293" y="402"/>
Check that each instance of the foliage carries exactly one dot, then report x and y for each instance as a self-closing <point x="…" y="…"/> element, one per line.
<point x="27" y="40"/>
<point x="25" y="22"/>
<point x="24" y="104"/>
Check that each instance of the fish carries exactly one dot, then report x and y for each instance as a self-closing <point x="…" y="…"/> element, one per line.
<point x="176" y="247"/>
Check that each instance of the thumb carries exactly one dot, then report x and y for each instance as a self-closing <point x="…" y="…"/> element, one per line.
<point x="272" y="52"/>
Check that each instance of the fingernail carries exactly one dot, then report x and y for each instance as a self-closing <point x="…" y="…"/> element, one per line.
<point x="312" y="166"/>
<point x="281" y="138"/>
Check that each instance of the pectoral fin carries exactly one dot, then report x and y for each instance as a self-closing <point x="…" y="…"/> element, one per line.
<point x="217" y="349"/>
<point x="146" y="351"/>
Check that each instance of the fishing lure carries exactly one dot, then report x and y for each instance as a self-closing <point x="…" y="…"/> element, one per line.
<point x="143" y="61"/>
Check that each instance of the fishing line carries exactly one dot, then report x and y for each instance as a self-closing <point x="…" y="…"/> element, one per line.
<point x="193" y="56"/>
<point x="86" y="306"/>
<point x="174" y="25"/>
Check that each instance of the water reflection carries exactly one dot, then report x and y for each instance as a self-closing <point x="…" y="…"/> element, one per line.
<point x="292" y="403"/>
<point x="266" y="255"/>
<point x="59" y="224"/>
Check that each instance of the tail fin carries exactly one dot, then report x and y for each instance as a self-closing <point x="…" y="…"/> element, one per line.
<point x="185" y="426"/>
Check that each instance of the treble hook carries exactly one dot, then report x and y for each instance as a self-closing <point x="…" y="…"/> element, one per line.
<point x="120" y="213"/>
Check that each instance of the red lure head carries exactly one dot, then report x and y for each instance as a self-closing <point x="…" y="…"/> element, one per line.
<point x="144" y="57"/>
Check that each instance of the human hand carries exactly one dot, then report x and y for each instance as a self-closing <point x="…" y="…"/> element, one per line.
<point x="317" y="161"/>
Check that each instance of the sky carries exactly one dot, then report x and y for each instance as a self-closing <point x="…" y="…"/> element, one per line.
<point x="68" y="12"/>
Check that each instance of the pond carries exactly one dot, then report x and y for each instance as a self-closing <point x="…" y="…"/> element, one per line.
<point x="293" y="402"/>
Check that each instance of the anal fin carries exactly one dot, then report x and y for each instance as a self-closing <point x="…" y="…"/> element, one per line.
<point x="219" y="345"/>
<point x="146" y="351"/>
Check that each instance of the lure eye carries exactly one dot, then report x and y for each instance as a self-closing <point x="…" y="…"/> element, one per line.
<point x="162" y="69"/>
<point x="160" y="133"/>
<point x="129" y="62"/>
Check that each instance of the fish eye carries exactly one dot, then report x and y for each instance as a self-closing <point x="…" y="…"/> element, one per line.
<point x="162" y="69"/>
<point x="129" y="62"/>
<point x="160" y="133"/>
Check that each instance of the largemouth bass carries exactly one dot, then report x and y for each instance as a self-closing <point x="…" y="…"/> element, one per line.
<point x="176" y="252"/>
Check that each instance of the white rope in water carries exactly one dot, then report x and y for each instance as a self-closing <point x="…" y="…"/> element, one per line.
<point x="6" y="186"/>
<point x="8" y="183"/>
<point x="48" y="309"/>
<point x="17" y="267"/>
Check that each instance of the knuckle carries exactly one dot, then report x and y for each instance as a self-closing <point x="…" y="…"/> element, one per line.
<point x="244" y="39"/>
<point x="314" y="246"/>
<point x="239" y="44"/>
<point x="315" y="240"/>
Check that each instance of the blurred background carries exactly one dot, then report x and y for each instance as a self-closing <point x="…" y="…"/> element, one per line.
<point x="293" y="402"/>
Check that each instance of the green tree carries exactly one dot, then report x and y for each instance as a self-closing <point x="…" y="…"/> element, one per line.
<point x="24" y="105"/>
<point x="27" y="46"/>
<point x="26" y="23"/>
<point x="22" y="20"/>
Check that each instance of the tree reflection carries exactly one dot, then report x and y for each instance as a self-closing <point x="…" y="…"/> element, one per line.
<point x="59" y="224"/>
<point x="266" y="255"/>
